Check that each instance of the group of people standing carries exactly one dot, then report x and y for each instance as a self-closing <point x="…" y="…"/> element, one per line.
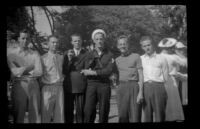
<point x="55" y="87"/>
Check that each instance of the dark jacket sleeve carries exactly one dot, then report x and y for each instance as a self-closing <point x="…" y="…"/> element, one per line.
<point x="116" y="71"/>
<point x="108" y="69"/>
<point x="66" y="65"/>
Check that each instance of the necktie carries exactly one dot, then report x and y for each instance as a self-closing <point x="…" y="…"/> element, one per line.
<point x="56" y="65"/>
<point x="77" y="52"/>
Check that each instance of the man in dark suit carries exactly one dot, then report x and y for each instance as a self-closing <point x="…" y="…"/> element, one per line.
<point x="75" y="82"/>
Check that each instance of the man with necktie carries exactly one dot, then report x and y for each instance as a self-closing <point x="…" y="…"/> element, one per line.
<point x="52" y="84"/>
<point x="75" y="82"/>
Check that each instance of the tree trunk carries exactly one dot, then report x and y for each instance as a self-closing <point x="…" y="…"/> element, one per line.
<point x="34" y="31"/>
<point x="46" y="13"/>
<point x="53" y="24"/>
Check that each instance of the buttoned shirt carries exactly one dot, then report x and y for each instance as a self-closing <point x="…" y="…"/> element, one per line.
<point x="52" y="68"/>
<point x="19" y="59"/>
<point x="154" y="67"/>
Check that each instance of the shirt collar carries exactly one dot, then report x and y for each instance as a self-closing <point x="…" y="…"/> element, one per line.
<point x="51" y="53"/>
<point x="153" y="55"/>
<point x="77" y="50"/>
<point x="126" y="54"/>
<point x="96" y="54"/>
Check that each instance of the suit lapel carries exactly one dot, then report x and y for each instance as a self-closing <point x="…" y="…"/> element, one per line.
<point x="80" y="57"/>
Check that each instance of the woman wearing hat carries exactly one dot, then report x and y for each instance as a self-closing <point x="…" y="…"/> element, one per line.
<point x="181" y="76"/>
<point x="98" y="68"/>
<point x="174" y="111"/>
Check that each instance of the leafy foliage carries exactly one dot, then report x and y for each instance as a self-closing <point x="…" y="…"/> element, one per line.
<point x="158" y="21"/>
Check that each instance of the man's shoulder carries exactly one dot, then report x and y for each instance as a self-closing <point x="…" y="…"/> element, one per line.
<point x="84" y="50"/>
<point x="162" y="58"/>
<point x="118" y="58"/>
<point x="60" y="56"/>
<point x="135" y="55"/>
<point x="33" y="52"/>
<point x="44" y="55"/>
<point x="109" y="54"/>
<point x="142" y="56"/>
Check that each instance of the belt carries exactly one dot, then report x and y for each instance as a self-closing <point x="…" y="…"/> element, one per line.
<point x="52" y="84"/>
<point x="25" y="78"/>
<point x="128" y="81"/>
<point x="153" y="82"/>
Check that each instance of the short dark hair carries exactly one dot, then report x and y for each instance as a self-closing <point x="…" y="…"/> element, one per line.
<point x="51" y="36"/>
<point x="75" y="34"/>
<point x="144" y="38"/>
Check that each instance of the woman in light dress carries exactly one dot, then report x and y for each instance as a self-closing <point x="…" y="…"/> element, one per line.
<point x="174" y="110"/>
<point x="181" y="51"/>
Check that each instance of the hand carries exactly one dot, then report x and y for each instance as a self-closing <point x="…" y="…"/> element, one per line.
<point x="28" y="69"/>
<point x="88" y="72"/>
<point x="180" y="76"/>
<point x="70" y="54"/>
<point x="140" y="98"/>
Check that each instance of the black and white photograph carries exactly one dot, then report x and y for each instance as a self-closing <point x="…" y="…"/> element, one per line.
<point x="97" y="64"/>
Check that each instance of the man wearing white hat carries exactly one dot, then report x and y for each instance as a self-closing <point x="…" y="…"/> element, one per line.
<point x="98" y="68"/>
<point x="174" y="110"/>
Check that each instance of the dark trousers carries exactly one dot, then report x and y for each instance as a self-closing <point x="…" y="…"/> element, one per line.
<point x="97" y="92"/>
<point x="25" y="97"/>
<point x="155" y="97"/>
<point x="72" y="99"/>
<point x="129" y="110"/>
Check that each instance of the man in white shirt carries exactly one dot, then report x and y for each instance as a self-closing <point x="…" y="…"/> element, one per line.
<point x="52" y="80"/>
<point x="25" y="66"/>
<point x="155" y="72"/>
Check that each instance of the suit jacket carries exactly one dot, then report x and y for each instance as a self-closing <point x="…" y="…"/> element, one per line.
<point x="74" y="81"/>
<point x="103" y="65"/>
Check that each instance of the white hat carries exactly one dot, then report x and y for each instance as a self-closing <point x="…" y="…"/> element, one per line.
<point x="180" y="45"/>
<point x="167" y="42"/>
<point x="98" y="31"/>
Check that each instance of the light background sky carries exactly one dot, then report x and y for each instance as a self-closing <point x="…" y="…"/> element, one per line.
<point x="41" y="21"/>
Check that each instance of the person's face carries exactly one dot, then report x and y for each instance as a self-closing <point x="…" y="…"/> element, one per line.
<point x="99" y="40"/>
<point x="147" y="46"/>
<point x="180" y="51"/>
<point x="53" y="42"/>
<point x="76" y="42"/>
<point x="122" y="45"/>
<point x="171" y="50"/>
<point x="23" y="38"/>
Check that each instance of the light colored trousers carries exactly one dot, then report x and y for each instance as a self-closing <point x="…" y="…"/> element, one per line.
<point x="52" y="103"/>
<point x="25" y="97"/>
